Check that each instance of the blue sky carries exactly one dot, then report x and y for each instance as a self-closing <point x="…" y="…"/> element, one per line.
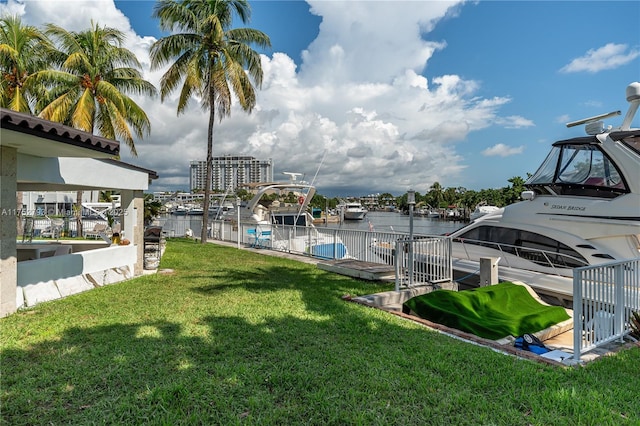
<point x="382" y="96"/>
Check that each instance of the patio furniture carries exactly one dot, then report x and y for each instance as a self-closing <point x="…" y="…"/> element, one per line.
<point x="54" y="228"/>
<point x="263" y="239"/>
<point x="253" y="238"/>
<point x="98" y="230"/>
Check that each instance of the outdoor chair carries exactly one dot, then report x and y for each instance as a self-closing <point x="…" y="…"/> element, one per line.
<point x="263" y="239"/>
<point x="253" y="238"/>
<point x="97" y="231"/>
<point x="54" y="228"/>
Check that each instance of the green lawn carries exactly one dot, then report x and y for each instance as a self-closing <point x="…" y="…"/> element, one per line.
<point x="234" y="337"/>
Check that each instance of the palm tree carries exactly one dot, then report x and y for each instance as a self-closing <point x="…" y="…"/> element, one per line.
<point x="89" y="87"/>
<point x="436" y="194"/>
<point x="24" y="51"/>
<point x="152" y="208"/>
<point x="210" y="60"/>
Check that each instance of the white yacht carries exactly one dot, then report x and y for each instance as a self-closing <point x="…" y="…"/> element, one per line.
<point x="581" y="207"/>
<point x="353" y="210"/>
<point x="289" y="223"/>
<point x="481" y="210"/>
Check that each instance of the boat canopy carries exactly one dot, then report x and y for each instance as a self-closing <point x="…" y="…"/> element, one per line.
<point x="578" y="166"/>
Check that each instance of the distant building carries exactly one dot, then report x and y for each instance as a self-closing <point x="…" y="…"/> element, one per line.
<point x="230" y="171"/>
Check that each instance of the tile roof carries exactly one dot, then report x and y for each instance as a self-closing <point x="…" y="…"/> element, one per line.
<point x="39" y="127"/>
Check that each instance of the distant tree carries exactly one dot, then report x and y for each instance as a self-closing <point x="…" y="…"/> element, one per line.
<point x="211" y="61"/>
<point x="450" y="196"/>
<point x="243" y="194"/>
<point x="511" y="194"/>
<point x="435" y="195"/>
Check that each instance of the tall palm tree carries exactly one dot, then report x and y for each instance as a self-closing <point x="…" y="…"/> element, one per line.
<point x="24" y="51"/>
<point x="211" y="61"/>
<point x="90" y="87"/>
<point x="436" y="194"/>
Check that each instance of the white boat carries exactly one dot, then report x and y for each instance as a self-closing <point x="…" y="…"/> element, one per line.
<point x="179" y="210"/>
<point x="290" y="224"/>
<point x="581" y="207"/>
<point x="481" y="210"/>
<point x="353" y="211"/>
<point x="195" y="211"/>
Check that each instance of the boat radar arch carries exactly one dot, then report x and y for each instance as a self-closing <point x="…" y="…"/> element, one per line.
<point x="594" y="125"/>
<point x="292" y="176"/>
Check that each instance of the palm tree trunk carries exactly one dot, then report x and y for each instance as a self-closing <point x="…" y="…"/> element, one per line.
<point x="204" y="234"/>
<point x="79" y="214"/>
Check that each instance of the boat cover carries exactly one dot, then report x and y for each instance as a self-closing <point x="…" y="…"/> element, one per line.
<point x="491" y="312"/>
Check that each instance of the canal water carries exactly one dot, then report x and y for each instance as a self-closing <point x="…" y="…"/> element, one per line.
<point x="397" y="222"/>
<point x="375" y="221"/>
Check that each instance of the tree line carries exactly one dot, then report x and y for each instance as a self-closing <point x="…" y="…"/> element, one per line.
<point x="441" y="198"/>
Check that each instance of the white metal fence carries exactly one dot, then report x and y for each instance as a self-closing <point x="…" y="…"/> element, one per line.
<point x="425" y="259"/>
<point x="604" y="297"/>
<point x="57" y="227"/>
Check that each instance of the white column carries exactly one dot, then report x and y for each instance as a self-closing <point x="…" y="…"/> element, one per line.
<point x="132" y="220"/>
<point x="8" y="230"/>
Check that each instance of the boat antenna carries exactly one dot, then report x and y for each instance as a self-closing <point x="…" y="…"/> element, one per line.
<point x="324" y="155"/>
<point x="292" y="176"/>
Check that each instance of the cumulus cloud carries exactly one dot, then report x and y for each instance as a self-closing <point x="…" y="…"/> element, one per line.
<point x="502" y="150"/>
<point x="359" y="109"/>
<point x="609" y="56"/>
<point x="514" y="122"/>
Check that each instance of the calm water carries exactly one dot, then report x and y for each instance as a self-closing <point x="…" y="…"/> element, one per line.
<point x="396" y="222"/>
<point x="380" y="221"/>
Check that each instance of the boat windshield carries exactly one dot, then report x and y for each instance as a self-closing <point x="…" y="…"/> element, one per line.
<point x="578" y="169"/>
<point x="633" y="143"/>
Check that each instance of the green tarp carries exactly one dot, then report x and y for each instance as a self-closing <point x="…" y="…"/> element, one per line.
<point x="492" y="312"/>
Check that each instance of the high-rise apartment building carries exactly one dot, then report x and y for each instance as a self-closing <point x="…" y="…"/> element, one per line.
<point x="230" y="171"/>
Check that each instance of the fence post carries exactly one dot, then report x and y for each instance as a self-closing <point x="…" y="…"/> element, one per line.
<point x="618" y="307"/>
<point x="396" y="262"/>
<point x="577" y="314"/>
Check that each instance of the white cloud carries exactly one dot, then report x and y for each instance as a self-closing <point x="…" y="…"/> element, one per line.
<point x="514" y="122"/>
<point x="358" y="101"/>
<point x="609" y="56"/>
<point x="502" y="150"/>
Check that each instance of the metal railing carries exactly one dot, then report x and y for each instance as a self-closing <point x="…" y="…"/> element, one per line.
<point x="604" y="297"/>
<point x="423" y="260"/>
<point x="56" y="227"/>
<point x="547" y="258"/>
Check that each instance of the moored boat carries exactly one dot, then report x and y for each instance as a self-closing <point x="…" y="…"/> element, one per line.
<point x="289" y="225"/>
<point x="353" y="211"/>
<point x="581" y="207"/>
